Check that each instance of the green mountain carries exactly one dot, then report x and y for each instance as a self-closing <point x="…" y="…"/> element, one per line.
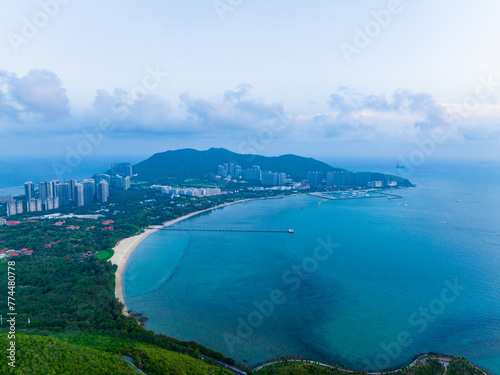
<point x="190" y="163"/>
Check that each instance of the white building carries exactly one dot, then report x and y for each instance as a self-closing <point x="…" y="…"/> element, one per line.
<point x="102" y="191"/>
<point x="126" y="183"/>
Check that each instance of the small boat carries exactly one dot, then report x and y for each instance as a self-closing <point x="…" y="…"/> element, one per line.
<point x="290" y="231"/>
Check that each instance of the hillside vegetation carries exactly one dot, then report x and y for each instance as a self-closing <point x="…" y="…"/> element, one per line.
<point x="189" y="163"/>
<point x="88" y="354"/>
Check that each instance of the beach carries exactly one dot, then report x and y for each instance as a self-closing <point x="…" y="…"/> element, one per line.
<point x="125" y="247"/>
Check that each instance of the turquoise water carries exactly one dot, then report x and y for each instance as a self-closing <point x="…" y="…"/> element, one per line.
<point x="385" y="276"/>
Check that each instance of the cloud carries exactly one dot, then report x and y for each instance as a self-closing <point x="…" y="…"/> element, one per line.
<point x="231" y="113"/>
<point x="235" y="110"/>
<point x="38" y="95"/>
<point x="127" y="113"/>
<point x="37" y="102"/>
<point x="404" y="116"/>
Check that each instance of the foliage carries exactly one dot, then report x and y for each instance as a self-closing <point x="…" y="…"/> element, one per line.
<point x="171" y="166"/>
<point x="65" y="295"/>
<point x="89" y="354"/>
<point x="105" y="254"/>
<point x="302" y="368"/>
<point x="460" y="366"/>
<point x="51" y="356"/>
<point x="428" y="366"/>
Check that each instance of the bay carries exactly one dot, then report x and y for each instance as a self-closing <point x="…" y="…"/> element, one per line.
<point x="404" y="276"/>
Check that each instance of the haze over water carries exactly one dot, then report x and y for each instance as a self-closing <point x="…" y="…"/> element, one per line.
<point x="394" y="258"/>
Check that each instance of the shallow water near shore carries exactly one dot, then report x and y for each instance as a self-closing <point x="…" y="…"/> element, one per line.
<point x="400" y="277"/>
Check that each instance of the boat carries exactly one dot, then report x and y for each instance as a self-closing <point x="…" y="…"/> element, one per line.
<point x="290" y="231"/>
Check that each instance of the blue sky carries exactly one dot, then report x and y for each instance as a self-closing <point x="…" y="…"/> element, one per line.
<point x="317" y="78"/>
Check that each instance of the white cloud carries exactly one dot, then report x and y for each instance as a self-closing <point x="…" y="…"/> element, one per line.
<point x="38" y="103"/>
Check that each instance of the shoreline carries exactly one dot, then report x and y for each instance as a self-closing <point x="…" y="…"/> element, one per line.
<point x="125" y="247"/>
<point x="444" y="359"/>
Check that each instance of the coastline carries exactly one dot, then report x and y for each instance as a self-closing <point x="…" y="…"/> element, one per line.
<point x="125" y="247"/>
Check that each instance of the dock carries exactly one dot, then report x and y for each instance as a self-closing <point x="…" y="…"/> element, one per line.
<point x="326" y="196"/>
<point x="231" y="230"/>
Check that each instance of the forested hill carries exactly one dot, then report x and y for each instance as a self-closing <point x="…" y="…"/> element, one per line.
<point x="190" y="163"/>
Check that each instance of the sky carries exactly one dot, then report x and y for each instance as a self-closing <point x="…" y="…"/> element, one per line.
<point x="403" y="80"/>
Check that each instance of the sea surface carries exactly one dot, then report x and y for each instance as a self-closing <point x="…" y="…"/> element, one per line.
<point x="367" y="283"/>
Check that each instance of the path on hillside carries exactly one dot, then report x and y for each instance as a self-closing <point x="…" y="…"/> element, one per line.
<point x="443" y="359"/>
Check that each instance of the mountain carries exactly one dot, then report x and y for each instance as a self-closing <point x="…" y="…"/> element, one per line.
<point x="190" y="163"/>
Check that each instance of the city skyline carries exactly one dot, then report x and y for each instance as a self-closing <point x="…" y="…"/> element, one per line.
<point x="51" y="195"/>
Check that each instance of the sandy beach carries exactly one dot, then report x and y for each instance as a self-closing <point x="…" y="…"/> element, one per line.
<point x="125" y="247"/>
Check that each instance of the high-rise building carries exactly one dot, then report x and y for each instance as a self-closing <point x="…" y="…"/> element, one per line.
<point x="31" y="205"/>
<point x="340" y="178"/>
<point x="348" y="178"/>
<point x="329" y="179"/>
<point x="221" y="171"/>
<point x="254" y="174"/>
<point x="54" y="184"/>
<point x="281" y="179"/>
<point x="45" y="190"/>
<point x="34" y="205"/>
<point x="119" y="182"/>
<point x="89" y="191"/>
<point x="102" y="177"/>
<point x="11" y="208"/>
<point x="72" y="184"/>
<point x="48" y="204"/>
<point x="38" y="204"/>
<point x="237" y="171"/>
<point x="102" y="191"/>
<point x="126" y="183"/>
<point x="269" y="178"/>
<point x="78" y="195"/>
<point x="315" y="178"/>
<point x="51" y="203"/>
<point x="123" y="169"/>
<point x="29" y="191"/>
<point x="64" y="194"/>
<point x="363" y="178"/>
<point x="19" y="207"/>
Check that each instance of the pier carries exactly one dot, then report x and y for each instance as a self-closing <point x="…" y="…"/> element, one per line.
<point x="231" y="230"/>
<point x="326" y="195"/>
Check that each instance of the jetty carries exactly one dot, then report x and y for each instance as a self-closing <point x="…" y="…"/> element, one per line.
<point x="230" y="230"/>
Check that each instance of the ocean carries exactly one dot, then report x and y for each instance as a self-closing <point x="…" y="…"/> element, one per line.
<point x="366" y="283"/>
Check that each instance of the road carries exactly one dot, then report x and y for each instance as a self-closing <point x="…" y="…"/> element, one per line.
<point x="236" y="370"/>
<point x="443" y="359"/>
